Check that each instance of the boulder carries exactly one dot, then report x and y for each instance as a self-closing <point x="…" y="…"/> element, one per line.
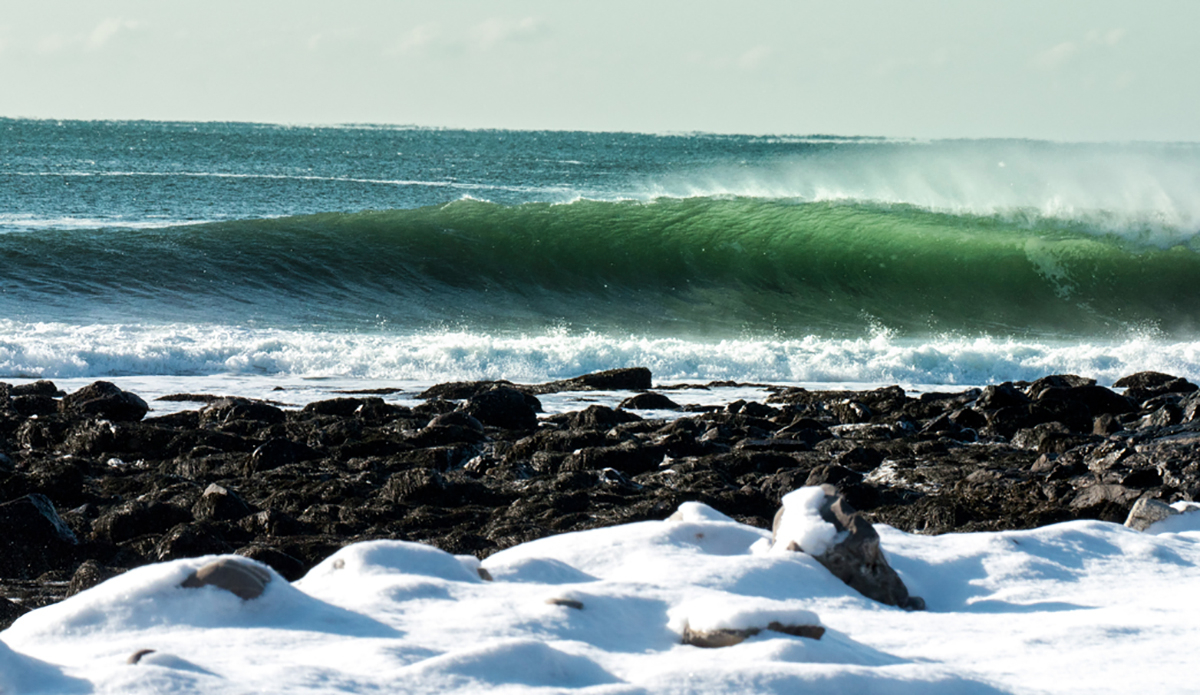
<point x="504" y="407"/>
<point x="1143" y="385"/>
<point x="625" y="379"/>
<point x="1104" y="502"/>
<point x="714" y="639"/>
<point x="227" y="410"/>
<point x="36" y="388"/>
<point x="87" y="575"/>
<point x="649" y="401"/>
<point x="851" y="552"/>
<point x="1146" y="511"/>
<point x="1000" y="396"/>
<point x="243" y="578"/>
<point x="105" y="400"/>
<point x="33" y="538"/>
<point x="219" y="503"/>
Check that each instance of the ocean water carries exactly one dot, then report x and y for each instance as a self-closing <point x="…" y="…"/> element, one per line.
<point x="237" y="254"/>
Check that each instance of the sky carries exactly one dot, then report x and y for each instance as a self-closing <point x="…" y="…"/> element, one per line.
<point x="1109" y="70"/>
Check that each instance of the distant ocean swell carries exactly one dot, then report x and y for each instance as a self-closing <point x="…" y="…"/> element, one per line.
<point x="716" y="267"/>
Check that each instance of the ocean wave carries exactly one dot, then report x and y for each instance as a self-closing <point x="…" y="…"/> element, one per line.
<point x="713" y="267"/>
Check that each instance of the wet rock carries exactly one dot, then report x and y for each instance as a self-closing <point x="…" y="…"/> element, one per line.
<point x="278" y="452"/>
<point x="36" y="388"/>
<point x="34" y="405"/>
<point x="33" y="538"/>
<point x="218" y="503"/>
<point x="648" y="401"/>
<point x="288" y="567"/>
<point x="1143" y="385"/>
<point x="1000" y="396"/>
<point x="9" y="612"/>
<point x="1057" y="381"/>
<point x="504" y="407"/>
<point x="625" y="379"/>
<point x="599" y="416"/>
<point x="190" y="540"/>
<point x="89" y="574"/>
<point x="105" y="400"/>
<point x="138" y="518"/>
<point x="230" y="410"/>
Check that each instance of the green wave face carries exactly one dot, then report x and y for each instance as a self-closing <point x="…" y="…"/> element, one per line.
<point x="711" y="266"/>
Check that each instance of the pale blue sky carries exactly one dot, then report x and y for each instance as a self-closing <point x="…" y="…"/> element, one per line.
<point x="1065" y="70"/>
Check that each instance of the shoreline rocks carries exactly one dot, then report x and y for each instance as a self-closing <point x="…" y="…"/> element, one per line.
<point x="474" y="469"/>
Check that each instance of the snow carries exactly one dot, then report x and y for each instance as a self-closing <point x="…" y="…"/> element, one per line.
<point x="1077" y="607"/>
<point x="801" y="523"/>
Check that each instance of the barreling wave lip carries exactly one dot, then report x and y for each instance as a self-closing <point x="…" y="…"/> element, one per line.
<point x="710" y="266"/>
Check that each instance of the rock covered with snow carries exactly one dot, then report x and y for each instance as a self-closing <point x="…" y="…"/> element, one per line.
<point x="820" y="522"/>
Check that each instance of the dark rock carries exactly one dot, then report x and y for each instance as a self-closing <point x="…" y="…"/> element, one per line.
<point x="105" y="400"/>
<point x="34" y="404"/>
<point x="89" y="574"/>
<point x="218" y="503"/>
<point x="270" y="523"/>
<point x="1143" y="385"/>
<point x="1143" y="380"/>
<point x="288" y="567"/>
<point x="9" y="612"/>
<point x="1000" y="396"/>
<point x="33" y="538"/>
<point x="599" y="416"/>
<point x="1106" y="424"/>
<point x="649" y="401"/>
<point x="504" y="407"/>
<point x="373" y="410"/>
<point x="138" y="518"/>
<point x="857" y="558"/>
<point x="461" y="390"/>
<point x="191" y="540"/>
<point x="627" y="379"/>
<point x="36" y="388"/>
<point x="228" y="410"/>
<point x="1104" y="502"/>
<point x="277" y="452"/>
<point x="1057" y="381"/>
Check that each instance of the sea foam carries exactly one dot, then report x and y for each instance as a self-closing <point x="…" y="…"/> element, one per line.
<point x="57" y="350"/>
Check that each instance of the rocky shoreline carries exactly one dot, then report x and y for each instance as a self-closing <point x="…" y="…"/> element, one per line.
<point x="90" y="486"/>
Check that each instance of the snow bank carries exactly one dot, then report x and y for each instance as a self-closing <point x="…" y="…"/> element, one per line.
<point x="601" y="611"/>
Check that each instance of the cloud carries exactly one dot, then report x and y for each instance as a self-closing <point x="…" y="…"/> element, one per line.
<point x="1055" y="57"/>
<point x="754" y="57"/>
<point x="483" y="36"/>
<point x="495" y="31"/>
<point x="52" y="43"/>
<point x="106" y="30"/>
<point x="418" y="39"/>
<point x="1067" y="51"/>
